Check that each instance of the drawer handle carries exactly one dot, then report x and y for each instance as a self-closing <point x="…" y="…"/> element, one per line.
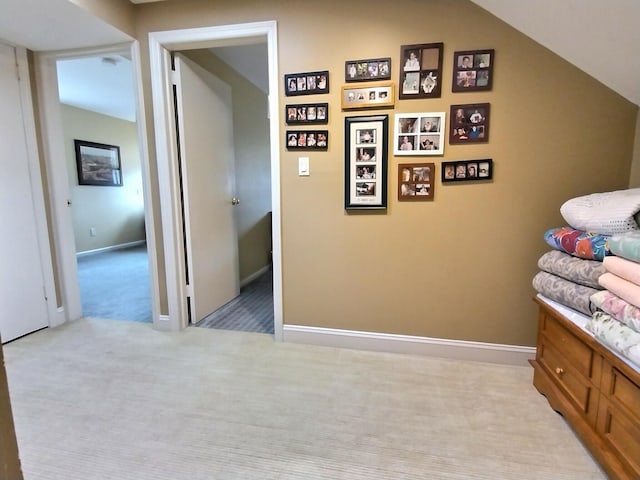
<point x="559" y="370"/>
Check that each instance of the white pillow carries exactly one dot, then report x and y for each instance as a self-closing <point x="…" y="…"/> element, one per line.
<point x="605" y="213"/>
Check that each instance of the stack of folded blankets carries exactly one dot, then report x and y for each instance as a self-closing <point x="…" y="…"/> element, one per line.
<point x="594" y="267"/>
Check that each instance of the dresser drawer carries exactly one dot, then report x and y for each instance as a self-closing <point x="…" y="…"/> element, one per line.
<point x="572" y="348"/>
<point x="621" y="433"/>
<point x="576" y="387"/>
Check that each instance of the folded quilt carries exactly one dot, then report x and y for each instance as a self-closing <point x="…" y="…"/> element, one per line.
<point x="615" y="335"/>
<point x="626" y="245"/>
<point x="578" y="270"/>
<point x="618" y="308"/>
<point x="606" y="213"/>
<point x="623" y="268"/>
<point x="624" y="289"/>
<point x="578" y="243"/>
<point x="564" y="291"/>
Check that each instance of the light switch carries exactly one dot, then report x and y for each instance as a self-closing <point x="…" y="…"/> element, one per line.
<point x="303" y="166"/>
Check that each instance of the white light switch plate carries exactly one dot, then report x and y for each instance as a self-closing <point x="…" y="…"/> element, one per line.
<point x="303" y="166"/>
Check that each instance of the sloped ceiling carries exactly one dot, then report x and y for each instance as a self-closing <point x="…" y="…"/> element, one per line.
<point x="602" y="38"/>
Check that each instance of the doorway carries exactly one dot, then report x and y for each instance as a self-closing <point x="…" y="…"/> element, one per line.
<point x="161" y="45"/>
<point x="97" y="105"/>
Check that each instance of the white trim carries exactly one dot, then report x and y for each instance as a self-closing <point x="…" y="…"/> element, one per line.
<point x="58" y="183"/>
<point x="150" y="228"/>
<point x="120" y="246"/>
<point x="258" y="273"/>
<point x="59" y="193"/>
<point x="159" y="45"/>
<point x="163" y="324"/>
<point x="387" y="342"/>
<point x="35" y="182"/>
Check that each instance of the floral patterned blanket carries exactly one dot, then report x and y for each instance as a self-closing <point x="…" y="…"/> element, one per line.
<point x="616" y="335"/>
<point x="578" y="270"/>
<point x="578" y="243"/>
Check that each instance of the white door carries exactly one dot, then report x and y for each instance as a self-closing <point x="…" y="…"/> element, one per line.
<point x="23" y="307"/>
<point x="205" y="126"/>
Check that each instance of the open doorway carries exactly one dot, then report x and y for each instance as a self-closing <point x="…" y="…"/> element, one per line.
<point x="97" y="106"/>
<point x="162" y="45"/>
<point x="224" y="136"/>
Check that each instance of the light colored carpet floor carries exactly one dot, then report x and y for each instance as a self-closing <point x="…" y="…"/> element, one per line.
<point x="117" y="400"/>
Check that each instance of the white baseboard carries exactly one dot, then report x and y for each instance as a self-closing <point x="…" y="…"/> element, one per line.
<point x="112" y="247"/>
<point x="386" y="342"/>
<point x="253" y="276"/>
<point x="163" y="324"/>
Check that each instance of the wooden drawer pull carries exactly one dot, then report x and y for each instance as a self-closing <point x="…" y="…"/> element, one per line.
<point x="559" y="370"/>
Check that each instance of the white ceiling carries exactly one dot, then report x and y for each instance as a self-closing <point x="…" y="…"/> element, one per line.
<point x="601" y="38"/>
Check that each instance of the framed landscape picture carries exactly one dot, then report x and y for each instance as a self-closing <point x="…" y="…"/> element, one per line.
<point x="98" y="164"/>
<point x="421" y="71"/>
<point x="365" y="152"/>
<point x="419" y="133"/>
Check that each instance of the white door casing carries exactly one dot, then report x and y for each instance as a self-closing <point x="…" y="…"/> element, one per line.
<point x="205" y="126"/>
<point x="160" y="43"/>
<point x="27" y="295"/>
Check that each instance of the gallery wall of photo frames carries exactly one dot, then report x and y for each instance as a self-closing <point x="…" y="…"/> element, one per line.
<point x="368" y="85"/>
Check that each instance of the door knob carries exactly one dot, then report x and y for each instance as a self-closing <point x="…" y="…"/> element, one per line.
<point x="235" y="201"/>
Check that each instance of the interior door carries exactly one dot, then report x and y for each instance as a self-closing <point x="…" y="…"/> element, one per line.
<point x="205" y="125"/>
<point x="23" y="307"/>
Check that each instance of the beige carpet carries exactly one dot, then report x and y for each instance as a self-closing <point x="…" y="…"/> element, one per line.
<point x="117" y="400"/>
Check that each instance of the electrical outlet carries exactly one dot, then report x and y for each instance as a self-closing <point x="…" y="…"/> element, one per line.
<point x="92" y="231"/>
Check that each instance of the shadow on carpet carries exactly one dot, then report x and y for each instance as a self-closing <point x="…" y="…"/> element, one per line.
<point x="251" y="311"/>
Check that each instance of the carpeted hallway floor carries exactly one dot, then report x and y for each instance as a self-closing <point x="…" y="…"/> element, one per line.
<point x="98" y="400"/>
<point x="115" y="284"/>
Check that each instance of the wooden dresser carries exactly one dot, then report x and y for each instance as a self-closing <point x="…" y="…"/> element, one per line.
<point x="595" y="390"/>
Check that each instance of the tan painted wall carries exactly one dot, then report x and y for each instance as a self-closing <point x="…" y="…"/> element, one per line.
<point x="117" y="213"/>
<point x="459" y="267"/>
<point x="634" y="177"/>
<point x="252" y="163"/>
<point x="9" y="460"/>
<point x="118" y="13"/>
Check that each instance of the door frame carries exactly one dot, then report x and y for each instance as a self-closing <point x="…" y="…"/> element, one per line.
<point x="58" y="183"/>
<point x="161" y="43"/>
<point x="35" y="182"/>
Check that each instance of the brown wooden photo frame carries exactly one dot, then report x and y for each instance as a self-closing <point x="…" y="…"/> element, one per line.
<point x="469" y="123"/>
<point x="420" y="71"/>
<point x="416" y="181"/>
<point x="473" y="70"/>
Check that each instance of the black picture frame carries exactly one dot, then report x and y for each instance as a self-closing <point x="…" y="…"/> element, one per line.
<point x="98" y="164"/>
<point x="307" y="114"/>
<point x="467" y="170"/>
<point x="307" y="139"/>
<point x="366" y="162"/>
<point x="367" y="70"/>
<point x="473" y="70"/>
<point x="306" y="83"/>
<point x="420" y="71"/>
<point x="469" y="123"/>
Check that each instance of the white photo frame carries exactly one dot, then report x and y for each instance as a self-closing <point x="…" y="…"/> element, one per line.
<point x="419" y="133"/>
